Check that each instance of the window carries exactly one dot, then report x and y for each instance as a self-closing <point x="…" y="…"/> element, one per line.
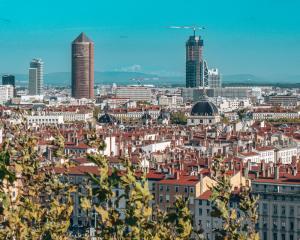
<point x="161" y="187"/>
<point x="292" y="210"/>
<point x="160" y="199"/>
<point x="200" y="202"/>
<point x="282" y="224"/>
<point x="207" y="203"/>
<point x="191" y="189"/>
<point x="167" y="188"/>
<point x="207" y="212"/>
<point x="283" y="236"/>
<point x="265" y="223"/>
<point x="167" y="198"/>
<point x="291" y="226"/>
<point x="274" y="224"/>
<point x="200" y="211"/>
<point x="274" y="236"/>
<point x="283" y="210"/>
<point x="265" y="236"/>
<point x="265" y="208"/>
<point x="177" y="189"/>
<point x="275" y="209"/>
<point x="207" y="224"/>
<point x="185" y="189"/>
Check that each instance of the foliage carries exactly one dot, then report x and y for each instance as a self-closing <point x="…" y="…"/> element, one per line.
<point x="41" y="205"/>
<point x="96" y="112"/>
<point x="129" y="214"/>
<point x="284" y="120"/>
<point x="234" y="227"/>
<point x="242" y="113"/>
<point x="178" y="118"/>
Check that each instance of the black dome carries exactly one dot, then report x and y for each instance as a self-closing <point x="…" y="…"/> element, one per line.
<point x="204" y="108"/>
<point x="107" y="119"/>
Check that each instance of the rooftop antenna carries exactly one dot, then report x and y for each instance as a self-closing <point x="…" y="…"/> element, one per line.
<point x="194" y="28"/>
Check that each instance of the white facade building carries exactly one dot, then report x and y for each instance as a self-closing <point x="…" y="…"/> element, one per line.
<point x="134" y="93"/>
<point x="160" y="146"/>
<point x="262" y="114"/>
<point x="6" y="93"/>
<point x="72" y="116"/>
<point x="111" y="147"/>
<point x="285" y="155"/>
<point x="214" y="78"/>
<point x="170" y="101"/>
<point x="44" y="120"/>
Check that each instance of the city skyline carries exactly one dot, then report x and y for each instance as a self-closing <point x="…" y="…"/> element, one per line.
<point x="254" y="38"/>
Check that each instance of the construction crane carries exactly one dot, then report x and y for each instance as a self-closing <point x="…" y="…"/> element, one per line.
<point x="194" y="28"/>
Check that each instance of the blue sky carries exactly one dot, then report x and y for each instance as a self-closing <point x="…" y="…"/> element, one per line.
<point x="260" y="37"/>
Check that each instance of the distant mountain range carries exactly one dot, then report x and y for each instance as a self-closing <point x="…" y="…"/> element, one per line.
<point x="125" y="78"/>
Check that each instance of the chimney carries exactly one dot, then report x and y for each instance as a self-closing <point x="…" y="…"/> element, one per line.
<point x="268" y="172"/>
<point x="201" y="183"/>
<point x="276" y="172"/>
<point x="263" y="168"/>
<point x="294" y="170"/>
<point x="177" y="175"/>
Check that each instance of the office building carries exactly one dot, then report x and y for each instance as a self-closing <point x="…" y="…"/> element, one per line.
<point x="82" y="67"/>
<point x="36" y="77"/>
<point x="8" y="80"/>
<point x="142" y="94"/>
<point x="6" y="93"/>
<point x="282" y="100"/>
<point x="194" y="62"/>
<point x="214" y="78"/>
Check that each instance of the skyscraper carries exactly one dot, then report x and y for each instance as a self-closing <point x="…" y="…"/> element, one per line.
<point x="82" y="67"/>
<point x="214" y="78"/>
<point x="36" y="77"/>
<point x="8" y="80"/>
<point x="194" y="48"/>
<point x="204" y="74"/>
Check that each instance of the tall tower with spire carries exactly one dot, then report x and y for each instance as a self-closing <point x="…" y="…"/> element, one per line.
<point x="82" y="67"/>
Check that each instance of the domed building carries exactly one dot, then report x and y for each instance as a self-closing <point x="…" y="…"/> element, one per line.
<point x="107" y="119"/>
<point x="203" y="112"/>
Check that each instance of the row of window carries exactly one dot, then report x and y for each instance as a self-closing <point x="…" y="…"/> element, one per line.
<point x="277" y="210"/>
<point x="167" y="189"/>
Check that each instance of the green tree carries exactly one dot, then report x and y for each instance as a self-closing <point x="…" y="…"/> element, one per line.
<point x="138" y="220"/>
<point x="234" y="227"/>
<point x="42" y="206"/>
<point x="178" y="118"/>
